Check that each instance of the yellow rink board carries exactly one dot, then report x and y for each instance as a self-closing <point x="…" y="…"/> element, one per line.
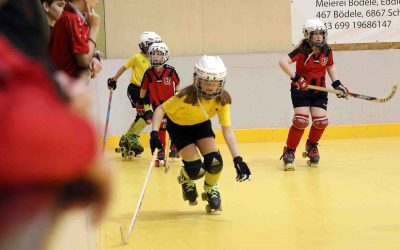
<point x="349" y="202"/>
<point x="280" y="134"/>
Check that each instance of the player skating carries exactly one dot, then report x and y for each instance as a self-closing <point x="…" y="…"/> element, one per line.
<point x="313" y="58"/>
<point x="129" y="144"/>
<point x="160" y="81"/>
<point x="189" y="126"/>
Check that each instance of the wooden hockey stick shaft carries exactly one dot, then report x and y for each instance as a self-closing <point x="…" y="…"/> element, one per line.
<point x="359" y="96"/>
<point x="125" y="236"/>
<point x="166" y="161"/>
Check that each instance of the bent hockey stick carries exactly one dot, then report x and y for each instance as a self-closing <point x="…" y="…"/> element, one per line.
<point x="125" y="235"/>
<point x="359" y="96"/>
<point x="107" y="119"/>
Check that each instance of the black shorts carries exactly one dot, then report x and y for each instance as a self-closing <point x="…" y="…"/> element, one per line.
<point x="181" y="136"/>
<point x="134" y="94"/>
<point x="309" y="99"/>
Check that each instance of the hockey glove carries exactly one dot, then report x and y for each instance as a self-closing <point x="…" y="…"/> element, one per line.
<point x="98" y="55"/>
<point x="112" y="83"/>
<point x="140" y="107"/>
<point x="299" y="82"/>
<point x="163" y="123"/>
<point x="155" y="141"/>
<point x="242" y="170"/>
<point x="339" y="86"/>
<point x="147" y="116"/>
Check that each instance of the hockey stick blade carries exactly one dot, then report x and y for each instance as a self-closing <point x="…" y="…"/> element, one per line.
<point x="358" y="96"/>
<point x="123" y="235"/>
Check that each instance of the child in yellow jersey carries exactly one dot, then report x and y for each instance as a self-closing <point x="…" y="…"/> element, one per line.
<point x="189" y="126"/>
<point x="129" y="143"/>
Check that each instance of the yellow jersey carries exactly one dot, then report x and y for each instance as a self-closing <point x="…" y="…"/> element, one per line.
<point x="139" y="63"/>
<point x="183" y="113"/>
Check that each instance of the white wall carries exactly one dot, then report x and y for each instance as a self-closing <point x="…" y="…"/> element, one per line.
<point x="260" y="91"/>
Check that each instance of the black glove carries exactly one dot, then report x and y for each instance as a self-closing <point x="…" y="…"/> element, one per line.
<point x="242" y="170"/>
<point x="112" y="84"/>
<point x="155" y="141"/>
<point x="148" y="115"/>
<point x="339" y="86"/>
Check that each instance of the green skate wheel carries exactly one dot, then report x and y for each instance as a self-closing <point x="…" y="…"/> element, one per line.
<point x="208" y="209"/>
<point x="304" y="154"/>
<point x="204" y="196"/>
<point x="309" y="163"/>
<point x="119" y="149"/>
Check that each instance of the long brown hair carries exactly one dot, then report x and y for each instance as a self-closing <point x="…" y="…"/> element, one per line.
<point x="190" y="95"/>
<point x="305" y="47"/>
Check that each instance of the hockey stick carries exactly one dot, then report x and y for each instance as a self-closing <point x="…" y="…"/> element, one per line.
<point x="359" y="96"/>
<point x="107" y="119"/>
<point x="166" y="163"/>
<point x="125" y="236"/>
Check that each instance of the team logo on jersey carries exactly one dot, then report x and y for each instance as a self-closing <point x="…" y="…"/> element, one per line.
<point x="324" y="61"/>
<point x="167" y="80"/>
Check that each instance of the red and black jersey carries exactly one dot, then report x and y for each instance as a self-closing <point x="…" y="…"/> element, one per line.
<point x="69" y="37"/>
<point x="160" y="84"/>
<point x="312" y="65"/>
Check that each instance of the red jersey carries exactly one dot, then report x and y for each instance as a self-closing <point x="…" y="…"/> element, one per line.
<point x="161" y="85"/>
<point x="68" y="38"/>
<point x="42" y="142"/>
<point x="312" y="66"/>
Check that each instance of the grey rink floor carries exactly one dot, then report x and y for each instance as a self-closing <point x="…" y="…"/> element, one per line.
<point x="351" y="201"/>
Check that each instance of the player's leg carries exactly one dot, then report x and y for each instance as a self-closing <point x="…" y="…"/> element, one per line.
<point x="162" y="135"/>
<point x="213" y="164"/>
<point x="133" y="134"/>
<point x="296" y="131"/>
<point x="319" y="123"/>
<point x="173" y="152"/>
<point x="193" y="168"/>
<point x="301" y="103"/>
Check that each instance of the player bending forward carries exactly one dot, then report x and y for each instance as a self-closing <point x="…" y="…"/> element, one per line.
<point x="188" y="123"/>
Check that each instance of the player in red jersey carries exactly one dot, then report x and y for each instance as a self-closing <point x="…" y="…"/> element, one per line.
<point x="161" y="80"/>
<point x="49" y="153"/>
<point x="313" y="58"/>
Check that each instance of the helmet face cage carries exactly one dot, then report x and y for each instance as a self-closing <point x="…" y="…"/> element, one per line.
<point x="208" y="77"/>
<point x="156" y="51"/>
<point x="147" y="38"/>
<point x="209" y="69"/>
<point x="312" y="26"/>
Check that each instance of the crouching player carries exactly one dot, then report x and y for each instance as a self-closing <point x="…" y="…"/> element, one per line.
<point x="188" y="123"/>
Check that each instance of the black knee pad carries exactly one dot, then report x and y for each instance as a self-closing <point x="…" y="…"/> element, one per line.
<point x="194" y="169"/>
<point x="213" y="162"/>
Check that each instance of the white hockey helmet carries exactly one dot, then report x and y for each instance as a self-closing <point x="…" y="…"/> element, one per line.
<point x="312" y="25"/>
<point x="147" y="38"/>
<point x="211" y="69"/>
<point x="156" y="50"/>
